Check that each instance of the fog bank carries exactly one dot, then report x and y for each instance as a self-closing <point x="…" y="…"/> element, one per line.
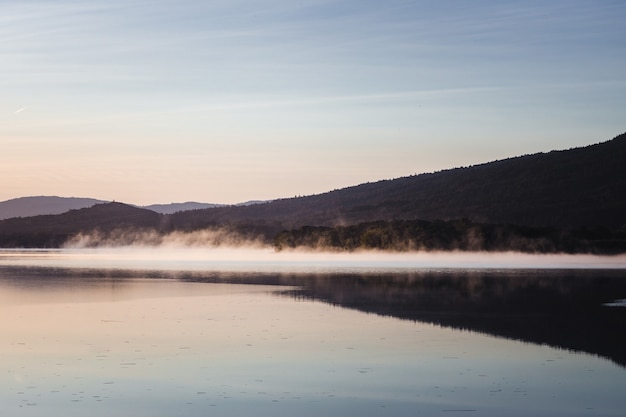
<point x="265" y="259"/>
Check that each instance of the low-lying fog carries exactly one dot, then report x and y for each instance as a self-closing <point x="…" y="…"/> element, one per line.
<point x="267" y="259"/>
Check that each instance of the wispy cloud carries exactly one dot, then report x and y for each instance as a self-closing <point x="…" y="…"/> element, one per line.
<point x="348" y="98"/>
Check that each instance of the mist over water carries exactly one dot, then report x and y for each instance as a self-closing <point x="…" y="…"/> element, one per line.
<point x="259" y="258"/>
<point x="206" y="238"/>
<point x="220" y="248"/>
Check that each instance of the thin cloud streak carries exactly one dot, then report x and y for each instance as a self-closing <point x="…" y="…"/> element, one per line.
<point x="394" y="96"/>
<point x="340" y="99"/>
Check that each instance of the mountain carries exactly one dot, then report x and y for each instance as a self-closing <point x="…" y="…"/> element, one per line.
<point x="581" y="191"/>
<point x="34" y="206"/>
<point x="580" y="187"/>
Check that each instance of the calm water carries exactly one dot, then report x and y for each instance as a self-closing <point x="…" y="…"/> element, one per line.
<point x="133" y="333"/>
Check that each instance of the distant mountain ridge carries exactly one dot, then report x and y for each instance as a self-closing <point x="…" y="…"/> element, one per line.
<point x="192" y="205"/>
<point x="38" y="205"/>
<point x="176" y="207"/>
<point x="44" y="205"/>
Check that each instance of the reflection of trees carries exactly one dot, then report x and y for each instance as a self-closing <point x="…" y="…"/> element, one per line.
<point x="560" y="308"/>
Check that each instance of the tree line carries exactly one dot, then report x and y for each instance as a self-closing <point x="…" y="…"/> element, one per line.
<point x="461" y="235"/>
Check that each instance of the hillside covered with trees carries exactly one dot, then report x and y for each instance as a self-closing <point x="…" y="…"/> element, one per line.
<point x="581" y="187"/>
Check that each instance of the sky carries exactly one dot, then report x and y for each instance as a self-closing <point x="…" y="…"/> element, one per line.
<point x="226" y="101"/>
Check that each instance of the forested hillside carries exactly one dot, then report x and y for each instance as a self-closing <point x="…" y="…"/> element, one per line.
<point x="582" y="187"/>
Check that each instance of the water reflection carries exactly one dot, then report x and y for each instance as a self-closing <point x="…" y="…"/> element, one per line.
<point x="561" y="308"/>
<point x="569" y="309"/>
<point x="191" y="343"/>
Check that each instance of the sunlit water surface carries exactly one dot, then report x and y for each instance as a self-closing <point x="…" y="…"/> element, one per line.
<point x="100" y="343"/>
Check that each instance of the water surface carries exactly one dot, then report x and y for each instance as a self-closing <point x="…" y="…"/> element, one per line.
<point x="94" y="334"/>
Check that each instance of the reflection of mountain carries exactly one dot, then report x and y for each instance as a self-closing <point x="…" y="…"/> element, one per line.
<point x="562" y="309"/>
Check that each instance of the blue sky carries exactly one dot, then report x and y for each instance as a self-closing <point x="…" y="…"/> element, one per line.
<point x="228" y="101"/>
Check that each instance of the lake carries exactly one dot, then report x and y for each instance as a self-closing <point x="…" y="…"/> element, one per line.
<point x="196" y="332"/>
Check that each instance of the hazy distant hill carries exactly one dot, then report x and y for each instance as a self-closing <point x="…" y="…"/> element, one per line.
<point x="34" y="206"/>
<point x="252" y="202"/>
<point x="191" y="205"/>
<point x="176" y="207"/>
<point x="571" y="188"/>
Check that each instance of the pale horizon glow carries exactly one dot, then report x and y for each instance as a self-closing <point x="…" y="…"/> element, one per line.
<point x="231" y="101"/>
